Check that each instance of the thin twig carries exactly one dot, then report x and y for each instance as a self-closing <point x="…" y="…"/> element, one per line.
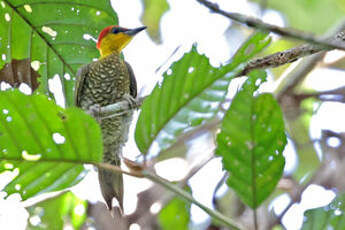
<point x="217" y="216"/>
<point x="259" y="24"/>
<point x="117" y="169"/>
<point x="174" y="188"/>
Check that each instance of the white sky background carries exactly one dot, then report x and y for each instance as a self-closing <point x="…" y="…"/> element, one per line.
<point x="188" y="22"/>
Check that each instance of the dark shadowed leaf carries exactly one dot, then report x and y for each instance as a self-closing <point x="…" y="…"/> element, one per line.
<point x="251" y="142"/>
<point x="44" y="143"/>
<point x="54" y="35"/>
<point x="328" y="217"/>
<point x="19" y="71"/>
<point x="189" y="95"/>
<point x="58" y="213"/>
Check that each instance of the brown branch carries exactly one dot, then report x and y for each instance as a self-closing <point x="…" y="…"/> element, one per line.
<point x="259" y="24"/>
<point x="293" y="54"/>
<point x="117" y="169"/>
<point x="297" y="75"/>
<point x="281" y="58"/>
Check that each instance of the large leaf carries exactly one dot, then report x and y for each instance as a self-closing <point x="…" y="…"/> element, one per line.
<point x="44" y="143"/>
<point x="251" y="142"/>
<point x="153" y="11"/>
<point x="57" y="213"/>
<point x="328" y="217"/>
<point x="190" y="94"/>
<point x="51" y="34"/>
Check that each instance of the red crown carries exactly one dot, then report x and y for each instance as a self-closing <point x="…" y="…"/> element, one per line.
<point x="102" y="34"/>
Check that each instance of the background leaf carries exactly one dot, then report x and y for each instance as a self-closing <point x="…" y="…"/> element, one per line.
<point x="154" y="9"/>
<point x="327" y="217"/>
<point x="32" y="128"/>
<point x="175" y="215"/>
<point x="51" y="35"/>
<point x="251" y="142"/>
<point x="189" y="95"/>
<point x="57" y="213"/>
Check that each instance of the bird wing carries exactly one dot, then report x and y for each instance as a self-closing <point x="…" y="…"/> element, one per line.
<point x="132" y="81"/>
<point x="82" y="72"/>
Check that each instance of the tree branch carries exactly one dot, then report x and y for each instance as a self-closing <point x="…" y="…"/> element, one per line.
<point x="259" y="24"/>
<point x="116" y="109"/>
<point x="293" y="54"/>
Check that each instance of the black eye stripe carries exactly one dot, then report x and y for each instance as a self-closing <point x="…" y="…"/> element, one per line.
<point x="116" y="30"/>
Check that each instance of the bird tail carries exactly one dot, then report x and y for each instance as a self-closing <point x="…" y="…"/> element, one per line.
<point x="111" y="186"/>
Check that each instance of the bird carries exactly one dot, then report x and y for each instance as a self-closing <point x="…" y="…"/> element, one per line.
<point x="106" y="81"/>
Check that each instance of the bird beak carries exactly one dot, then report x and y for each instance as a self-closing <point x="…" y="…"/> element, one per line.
<point x="132" y="32"/>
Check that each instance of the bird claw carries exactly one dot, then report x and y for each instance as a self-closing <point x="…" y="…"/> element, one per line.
<point x="133" y="103"/>
<point x="95" y="111"/>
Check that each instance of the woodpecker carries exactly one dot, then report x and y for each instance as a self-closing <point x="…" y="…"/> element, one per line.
<point x="106" y="81"/>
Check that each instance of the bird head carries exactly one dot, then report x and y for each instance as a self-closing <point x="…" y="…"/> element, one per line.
<point x="115" y="38"/>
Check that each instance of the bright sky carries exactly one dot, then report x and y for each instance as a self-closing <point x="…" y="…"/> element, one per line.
<point x="188" y="22"/>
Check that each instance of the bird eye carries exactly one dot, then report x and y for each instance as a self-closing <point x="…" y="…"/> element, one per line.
<point x="115" y="30"/>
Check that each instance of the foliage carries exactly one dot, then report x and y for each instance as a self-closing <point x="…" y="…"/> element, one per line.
<point x="197" y="89"/>
<point x="154" y="9"/>
<point x="328" y="217"/>
<point x="58" y="212"/>
<point x="251" y="142"/>
<point x="56" y="138"/>
<point x="46" y="146"/>
<point x="175" y="215"/>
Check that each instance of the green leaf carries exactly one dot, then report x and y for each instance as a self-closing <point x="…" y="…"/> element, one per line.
<point x="58" y="212"/>
<point x="50" y="33"/>
<point x="189" y="95"/>
<point x="44" y="143"/>
<point x="175" y="215"/>
<point x="328" y="217"/>
<point x="153" y="11"/>
<point x="251" y="142"/>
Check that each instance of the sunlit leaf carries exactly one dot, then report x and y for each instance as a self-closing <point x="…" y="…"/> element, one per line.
<point x="57" y="213"/>
<point x="52" y="35"/>
<point x="328" y="217"/>
<point x="251" y="142"/>
<point x="44" y="143"/>
<point x="190" y="93"/>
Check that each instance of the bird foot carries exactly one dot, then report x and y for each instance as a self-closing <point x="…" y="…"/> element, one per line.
<point x="133" y="103"/>
<point x="95" y="111"/>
